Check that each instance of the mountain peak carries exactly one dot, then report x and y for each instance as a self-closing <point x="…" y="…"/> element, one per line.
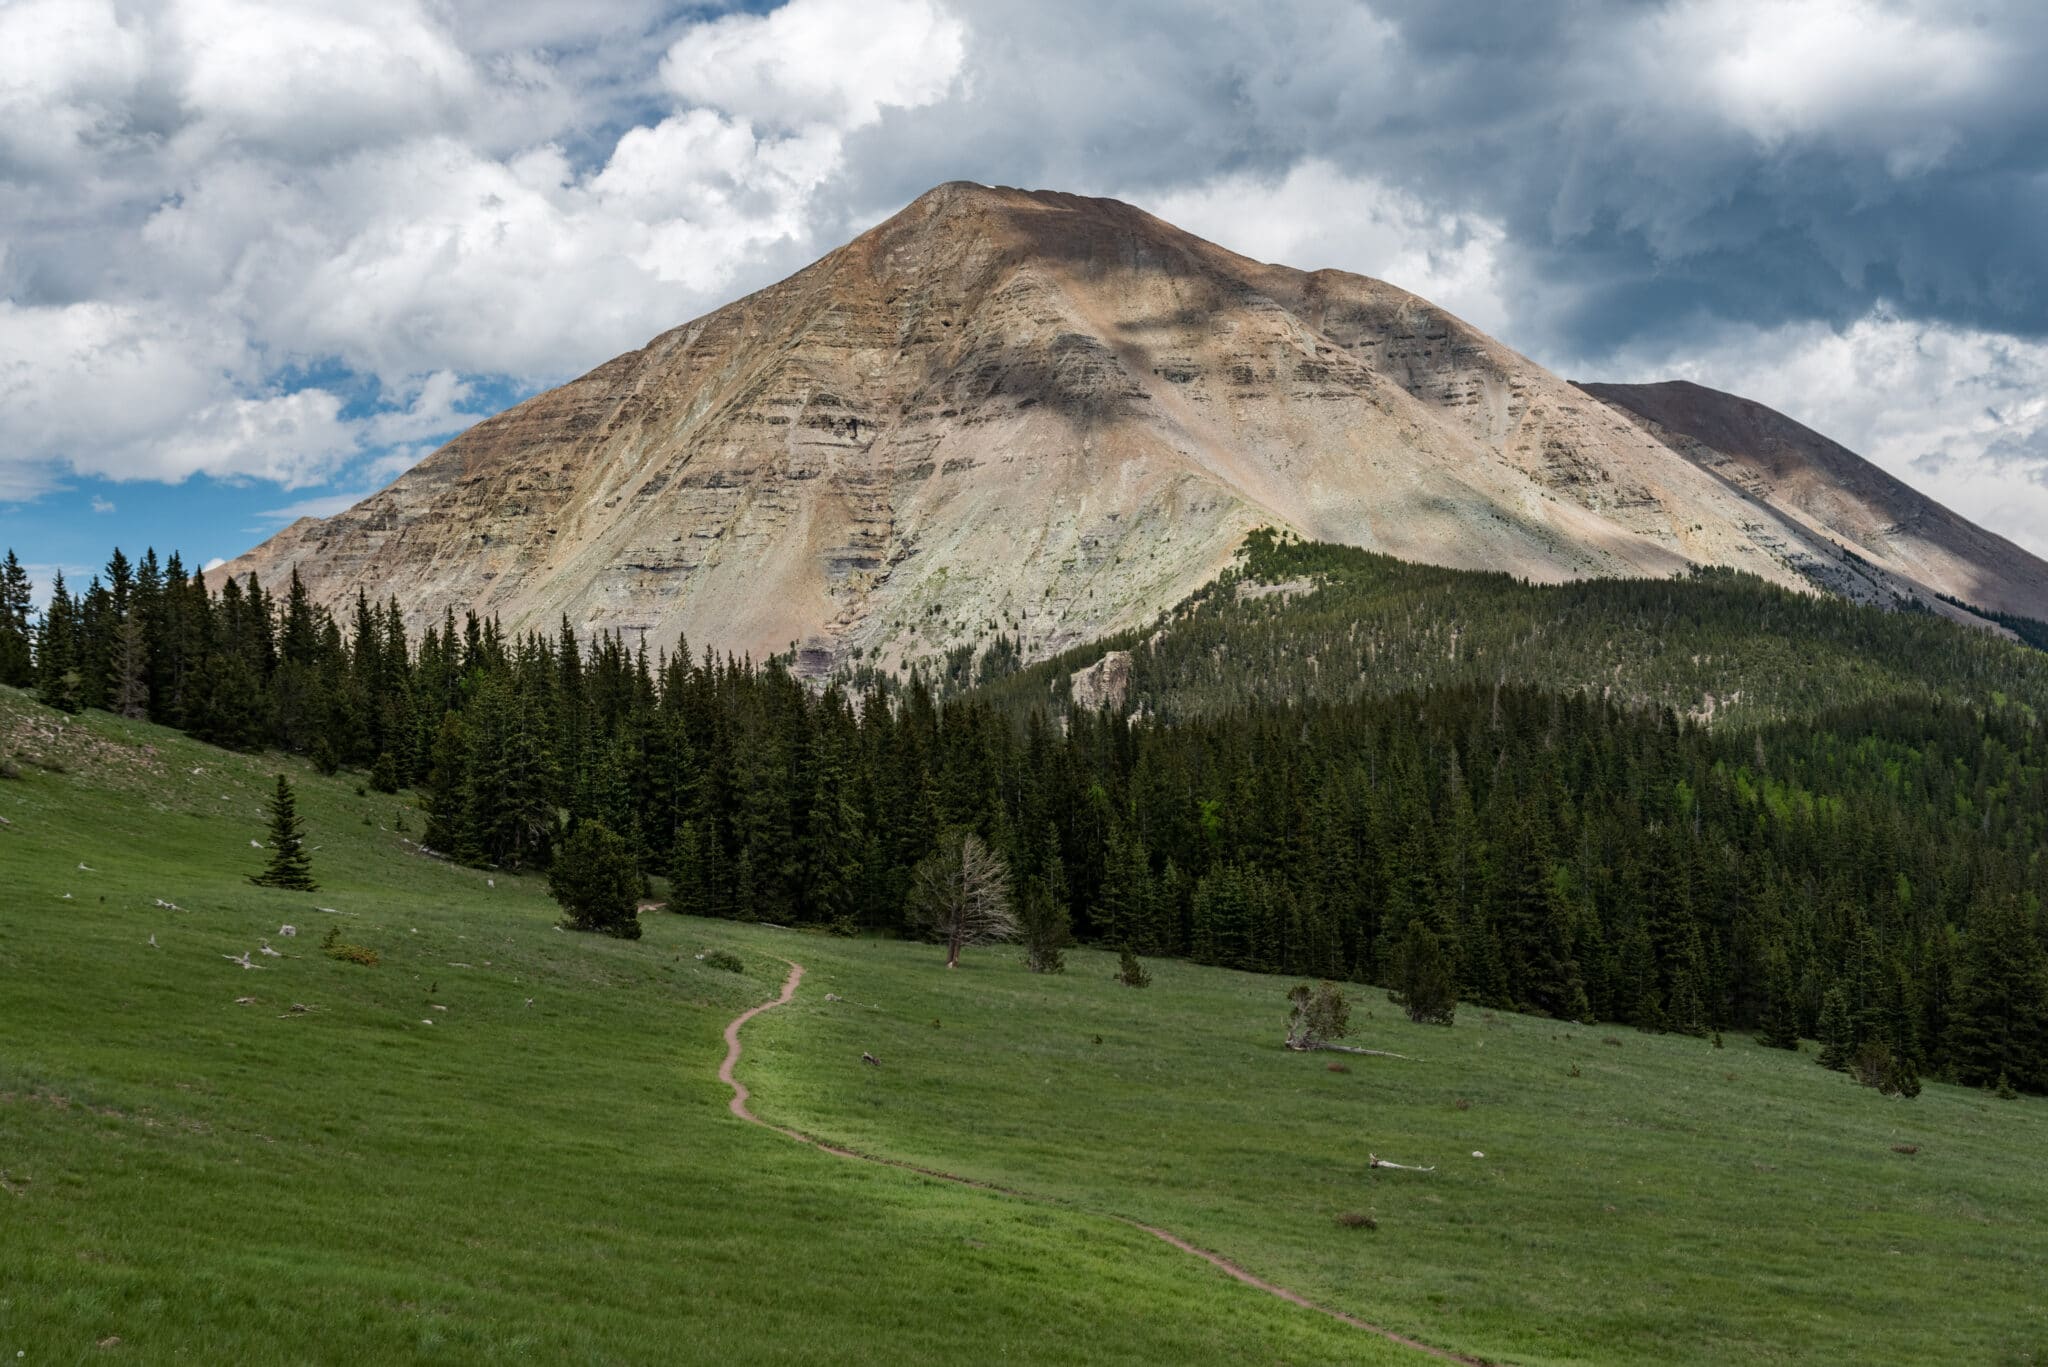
<point x="1033" y="413"/>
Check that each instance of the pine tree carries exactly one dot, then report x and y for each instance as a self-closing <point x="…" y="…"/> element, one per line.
<point x="1779" y="1026"/>
<point x="289" y="865"/>
<point x="595" y="878"/>
<point x="1043" y="922"/>
<point x="1837" y="1034"/>
<point x="17" y="596"/>
<point x="1999" y="1032"/>
<point x="57" y="674"/>
<point x="1129" y="971"/>
<point x="1422" y="978"/>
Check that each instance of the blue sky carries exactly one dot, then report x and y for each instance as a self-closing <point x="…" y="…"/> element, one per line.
<point x="257" y="258"/>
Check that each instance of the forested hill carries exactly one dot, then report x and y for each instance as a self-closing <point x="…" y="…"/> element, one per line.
<point x="1299" y="621"/>
<point x="1311" y="779"/>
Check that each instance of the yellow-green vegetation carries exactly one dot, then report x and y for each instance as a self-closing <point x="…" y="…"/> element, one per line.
<point x="548" y="1167"/>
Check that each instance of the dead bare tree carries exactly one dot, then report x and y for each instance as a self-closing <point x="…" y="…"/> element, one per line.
<point x="962" y="891"/>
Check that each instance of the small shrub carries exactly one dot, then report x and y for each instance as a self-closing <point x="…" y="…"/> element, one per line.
<point x="1130" y="972"/>
<point x="1717" y="1039"/>
<point x="1357" y="1219"/>
<point x="1463" y="1103"/>
<point x="1572" y="1071"/>
<point x="1906" y="1148"/>
<point x="1612" y="1040"/>
<point x="843" y="927"/>
<point x="334" y="948"/>
<point x="1874" y="1065"/>
<point x="1098" y="1039"/>
<point x="9" y="769"/>
<point x="723" y="958"/>
<point x="2004" y="1091"/>
<point x="1317" y="1015"/>
<point x="384" y="773"/>
<point x="361" y="791"/>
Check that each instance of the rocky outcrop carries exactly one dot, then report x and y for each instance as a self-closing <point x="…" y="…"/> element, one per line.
<point x="1024" y="412"/>
<point x="1103" y="684"/>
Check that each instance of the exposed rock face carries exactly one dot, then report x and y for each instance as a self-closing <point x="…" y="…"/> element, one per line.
<point x="1836" y="493"/>
<point x="1103" y="684"/>
<point x="1032" y="412"/>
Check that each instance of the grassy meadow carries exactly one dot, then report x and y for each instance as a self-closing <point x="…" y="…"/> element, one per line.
<point x="508" y="1139"/>
<point x="183" y="1177"/>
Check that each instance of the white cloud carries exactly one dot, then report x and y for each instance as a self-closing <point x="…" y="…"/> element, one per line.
<point x="102" y="505"/>
<point x="834" y="62"/>
<point x="68" y="70"/>
<point x="315" y="76"/>
<point x="1851" y="69"/>
<point x="1318" y="216"/>
<point x="127" y="392"/>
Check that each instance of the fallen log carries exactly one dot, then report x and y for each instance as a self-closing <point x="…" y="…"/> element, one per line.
<point x="1311" y="1046"/>
<point x="1373" y="1160"/>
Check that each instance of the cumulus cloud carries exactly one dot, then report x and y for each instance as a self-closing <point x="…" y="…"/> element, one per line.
<point x="833" y="62"/>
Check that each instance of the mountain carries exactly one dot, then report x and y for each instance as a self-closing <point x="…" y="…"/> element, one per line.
<point x="1834" y="492"/>
<point x="1040" y="414"/>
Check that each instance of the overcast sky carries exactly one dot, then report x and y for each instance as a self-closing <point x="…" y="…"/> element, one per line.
<point x="255" y="259"/>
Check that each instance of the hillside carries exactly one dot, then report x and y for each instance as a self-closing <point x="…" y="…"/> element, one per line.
<point x="1046" y="415"/>
<point x="1300" y="622"/>
<point x="502" y="1140"/>
<point x="549" y="1167"/>
<point x="1894" y="531"/>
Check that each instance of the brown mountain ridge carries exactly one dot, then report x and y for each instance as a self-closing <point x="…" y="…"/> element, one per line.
<point x="1054" y="416"/>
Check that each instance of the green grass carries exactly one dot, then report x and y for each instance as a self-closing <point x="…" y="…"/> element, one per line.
<point x="561" y="1181"/>
<point x="221" y="1182"/>
<point x="1673" y="1202"/>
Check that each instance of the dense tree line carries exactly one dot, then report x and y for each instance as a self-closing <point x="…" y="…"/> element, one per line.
<point x="1871" y="874"/>
<point x="1726" y="646"/>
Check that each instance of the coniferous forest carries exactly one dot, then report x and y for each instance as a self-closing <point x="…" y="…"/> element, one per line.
<point x="1850" y="850"/>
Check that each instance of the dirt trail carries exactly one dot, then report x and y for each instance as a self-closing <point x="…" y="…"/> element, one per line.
<point x="738" y="1105"/>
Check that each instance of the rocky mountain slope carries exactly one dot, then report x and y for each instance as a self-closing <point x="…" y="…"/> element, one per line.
<point x="1887" y="524"/>
<point x="1042" y="414"/>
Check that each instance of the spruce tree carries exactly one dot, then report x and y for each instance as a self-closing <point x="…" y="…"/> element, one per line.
<point x="1837" y="1034"/>
<point x="1043" y="922"/>
<point x="1778" y="1027"/>
<point x="17" y="668"/>
<point x="289" y="866"/>
<point x="1422" y="978"/>
<point x="1999" y="1031"/>
<point x="595" y="878"/>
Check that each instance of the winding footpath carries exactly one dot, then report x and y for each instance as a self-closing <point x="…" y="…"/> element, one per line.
<point x="738" y="1106"/>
